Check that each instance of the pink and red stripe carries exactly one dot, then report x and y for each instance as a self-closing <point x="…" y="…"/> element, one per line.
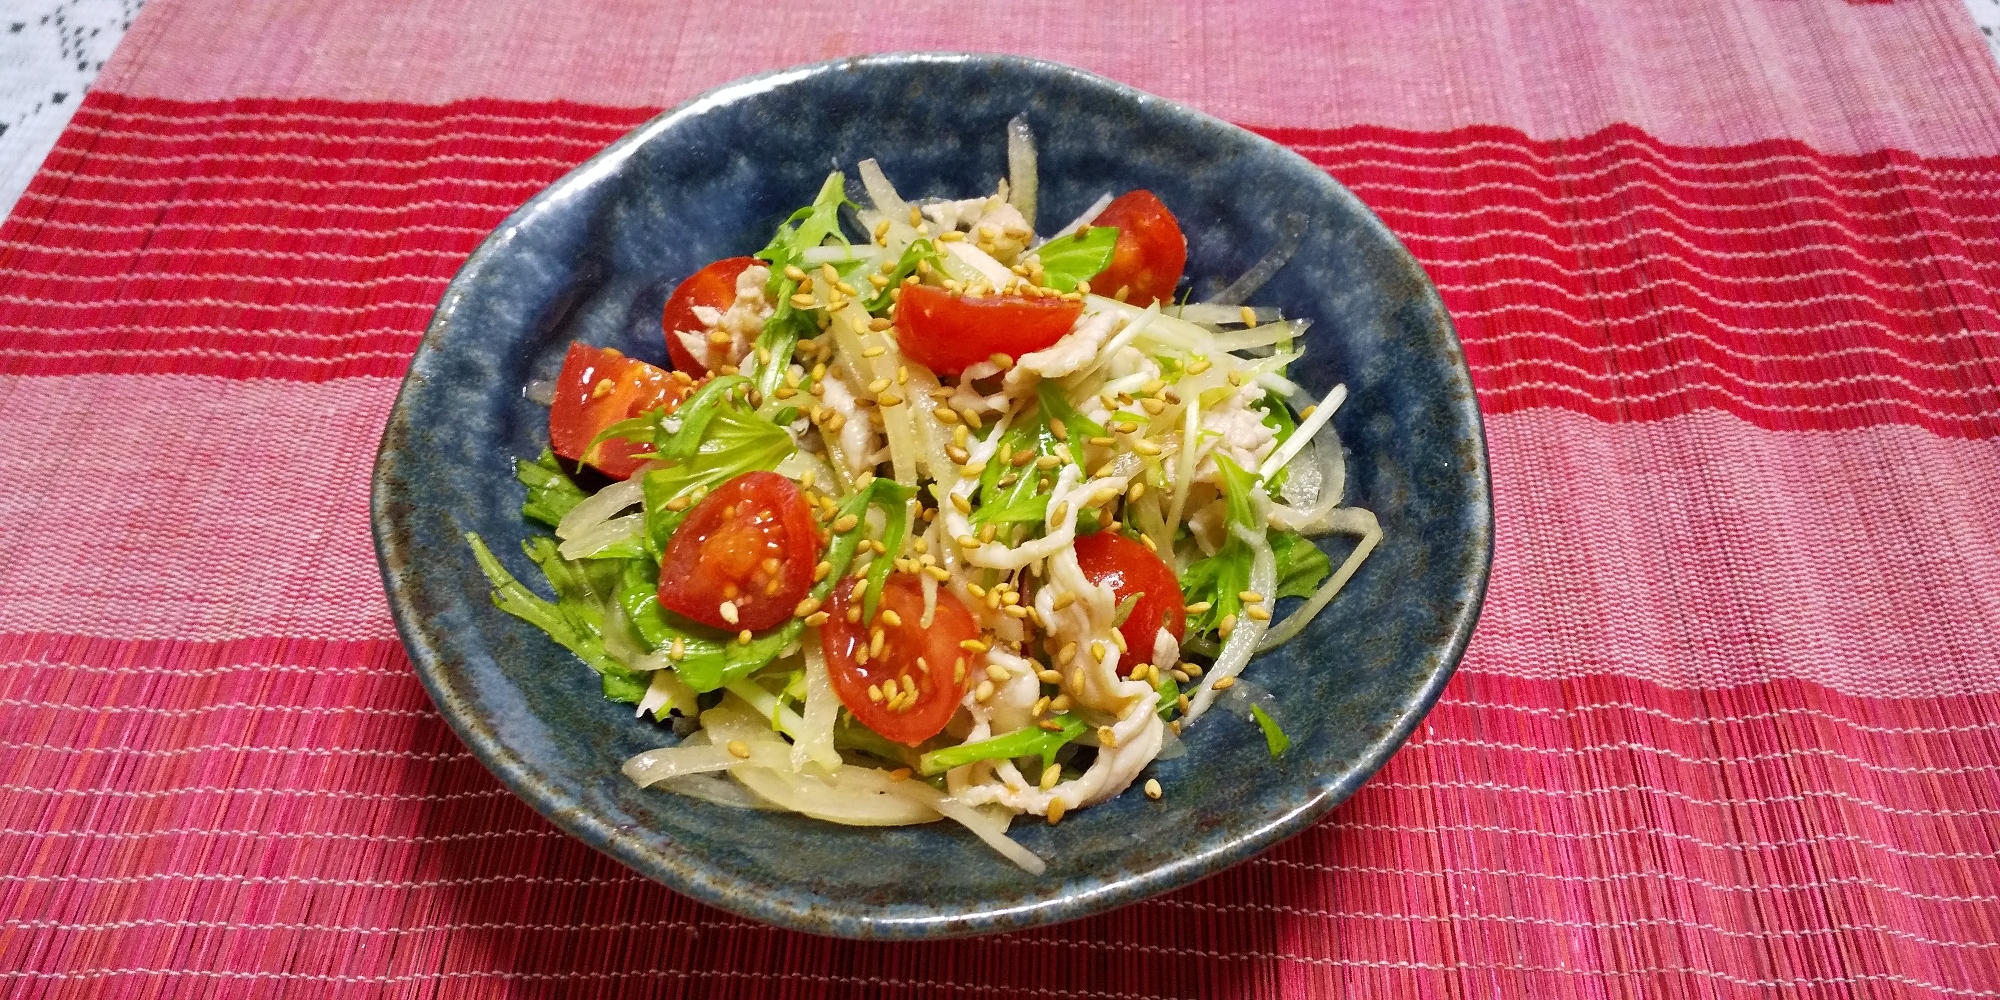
<point x="1727" y="727"/>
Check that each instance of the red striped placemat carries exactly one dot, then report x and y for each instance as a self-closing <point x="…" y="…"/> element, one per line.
<point x="1726" y="728"/>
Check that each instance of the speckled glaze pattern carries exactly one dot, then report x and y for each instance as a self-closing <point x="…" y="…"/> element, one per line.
<point x="594" y="256"/>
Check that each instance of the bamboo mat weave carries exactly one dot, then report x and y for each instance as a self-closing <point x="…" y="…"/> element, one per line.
<point x="1728" y="278"/>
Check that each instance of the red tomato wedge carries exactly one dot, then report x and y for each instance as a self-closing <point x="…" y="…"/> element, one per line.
<point x="948" y="333"/>
<point x="925" y="661"/>
<point x="599" y="387"/>
<point x="750" y="546"/>
<point x="1130" y="568"/>
<point x="713" y="286"/>
<point x="1150" y="254"/>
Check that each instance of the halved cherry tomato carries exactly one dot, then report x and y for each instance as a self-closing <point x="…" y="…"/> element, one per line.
<point x="751" y="544"/>
<point x="1150" y="254"/>
<point x="948" y="333"/>
<point x="1130" y="568"/>
<point x="713" y="286"/>
<point x="599" y="387"/>
<point x="928" y="658"/>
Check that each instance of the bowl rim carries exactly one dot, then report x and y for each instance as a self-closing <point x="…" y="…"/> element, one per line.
<point x="719" y="888"/>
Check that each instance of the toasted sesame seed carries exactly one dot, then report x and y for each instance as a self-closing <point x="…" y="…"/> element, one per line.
<point x="845" y="524"/>
<point x="1051" y="725"/>
<point x="1225" y="683"/>
<point x="1153" y="406"/>
<point x="1103" y="495"/>
<point x="728" y="611"/>
<point x="983" y="693"/>
<point x="938" y="573"/>
<point x="678" y="651"/>
<point x="1147" y="541"/>
<point x="1061" y="703"/>
<point x="973" y="470"/>
<point x="1145" y="447"/>
<point x="876" y="639"/>
<point x="1051" y="777"/>
<point x="1258" y="614"/>
<point x="1180" y="676"/>
<point x="1199" y="607"/>
<point x="989" y="532"/>
<point x="1067" y="653"/>
<point x="744" y="637"/>
<point x="806" y="607"/>
<point x="1056" y="809"/>
<point x="1063" y="600"/>
<point x="739" y="749"/>
<point x="1153" y="789"/>
<point x="1249" y="597"/>
<point x="951" y="236"/>
<point x="1198" y="365"/>
<point x="1225" y="626"/>
<point x="802" y="301"/>
<point x="1049" y="676"/>
<point x="875" y="692"/>
<point x="1098" y="650"/>
<point x="874" y="352"/>
<point x="678" y="503"/>
<point x="958" y="671"/>
<point x="860" y="590"/>
<point x="1107" y="736"/>
<point x="817" y="618"/>
<point x="853" y="614"/>
<point x="973" y="646"/>
<point x="1041" y="706"/>
<point x="1193" y="669"/>
<point x="967" y="542"/>
<point x="1138" y="489"/>
<point x="889" y="399"/>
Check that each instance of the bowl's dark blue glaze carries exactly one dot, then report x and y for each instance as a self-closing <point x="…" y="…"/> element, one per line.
<point x="594" y="256"/>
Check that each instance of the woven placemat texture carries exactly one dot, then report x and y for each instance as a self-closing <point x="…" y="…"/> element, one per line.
<point x="1726" y="276"/>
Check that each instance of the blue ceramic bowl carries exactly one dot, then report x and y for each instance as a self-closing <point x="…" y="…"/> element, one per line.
<point x="593" y="258"/>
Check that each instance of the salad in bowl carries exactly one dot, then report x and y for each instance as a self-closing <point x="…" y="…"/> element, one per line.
<point x="930" y="511"/>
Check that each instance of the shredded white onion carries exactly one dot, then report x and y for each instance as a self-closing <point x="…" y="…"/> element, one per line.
<point x="1221" y="314"/>
<point x="1267" y="267"/>
<point x="815" y="736"/>
<point x="603" y="536"/>
<point x="601" y="506"/>
<point x="1262" y="336"/>
<point x="1307" y="428"/>
<point x="1021" y="176"/>
<point x="880" y="191"/>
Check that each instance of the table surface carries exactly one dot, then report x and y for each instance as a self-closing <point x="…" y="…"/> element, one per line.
<point x="53" y="51"/>
<point x="1725" y="272"/>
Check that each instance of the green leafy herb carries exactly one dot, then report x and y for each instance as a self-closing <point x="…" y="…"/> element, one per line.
<point x="573" y="620"/>
<point x="1058" y="407"/>
<point x="1219" y="579"/>
<point x="1274" y="737"/>
<point x="714" y="445"/>
<point x="1080" y="256"/>
<point x="1030" y="742"/>
<point x="906" y="265"/>
<point x="1302" y="567"/>
<point x="551" y="494"/>
<point x="1170" y="698"/>
<point x="807" y="228"/>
